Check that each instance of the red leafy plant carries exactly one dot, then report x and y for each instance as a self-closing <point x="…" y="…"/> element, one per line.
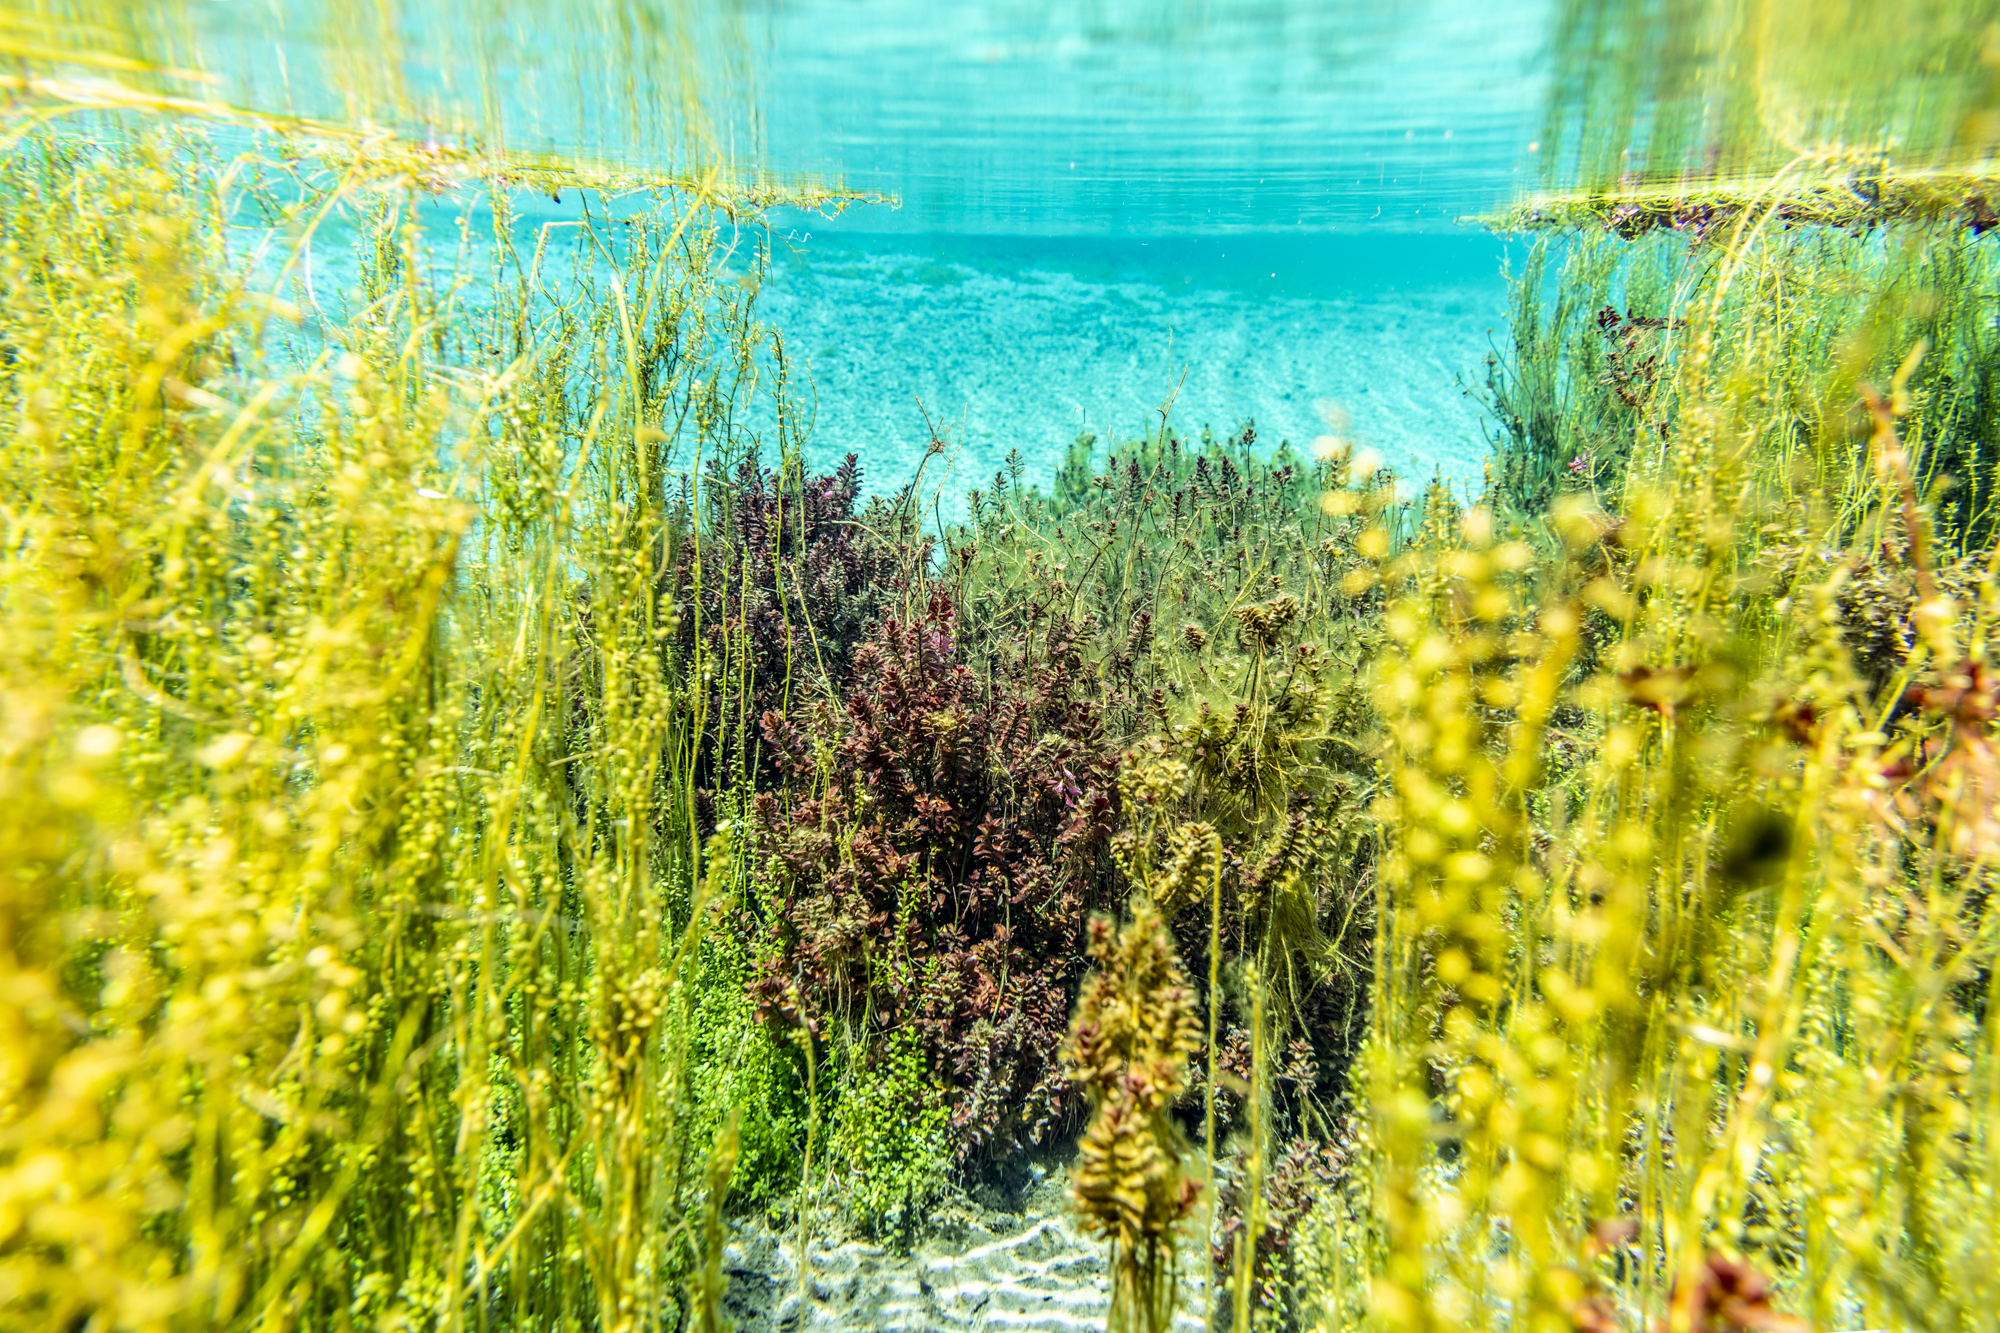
<point x="1303" y="1179"/>
<point x="1964" y="785"/>
<point x="1729" y="1296"/>
<point x="782" y="587"/>
<point x="938" y="882"/>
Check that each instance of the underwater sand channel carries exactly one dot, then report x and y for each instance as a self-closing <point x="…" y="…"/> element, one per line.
<point x="1022" y="343"/>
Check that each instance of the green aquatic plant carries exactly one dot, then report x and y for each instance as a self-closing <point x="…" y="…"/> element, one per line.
<point x="1158" y="549"/>
<point x="1579" y="378"/>
<point x="1643" y="347"/>
<point x="1643" y="95"/>
<point x="1654" y="915"/>
<point x="752" y="1084"/>
<point x="355" y="908"/>
<point x="471" y="828"/>
<point x="891" y="1136"/>
<point x="1265" y="768"/>
<point x="1233" y="670"/>
<point x="1682" y="988"/>
<point x="1243" y="584"/>
<point x="1289" y="1208"/>
<point x="785" y="579"/>
<point x="604" y="87"/>
<point x="1224" y="603"/>
<point x="1857" y="200"/>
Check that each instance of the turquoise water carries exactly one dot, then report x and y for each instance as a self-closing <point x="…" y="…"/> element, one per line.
<point x="1151" y="117"/>
<point x="1250" y="206"/>
<point x="1023" y="342"/>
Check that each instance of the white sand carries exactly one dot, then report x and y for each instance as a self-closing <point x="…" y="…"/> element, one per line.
<point x="1017" y="350"/>
<point x="1024" y="1266"/>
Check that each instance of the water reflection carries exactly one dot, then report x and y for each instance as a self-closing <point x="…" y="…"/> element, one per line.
<point x="1259" y="115"/>
<point x="984" y="116"/>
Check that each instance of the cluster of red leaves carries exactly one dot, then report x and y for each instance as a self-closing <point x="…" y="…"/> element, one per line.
<point x="782" y="589"/>
<point x="1960" y="791"/>
<point x="1302" y="1179"/>
<point x="1729" y="1296"/>
<point x="940" y="882"/>
<point x="1631" y="355"/>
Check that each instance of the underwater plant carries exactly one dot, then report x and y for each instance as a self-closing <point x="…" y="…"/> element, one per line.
<point x="354" y="914"/>
<point x="784" y="582"/>
<point x="1246" y="723"/>
<point x="1134" y="1030"/>
<point x="474" y="833"/>
<point x="1260" y="769"/>
<point x="1295" y="1188"/>
<point x="1667" y="103"/>
<point x="937" y="882"/>
<point x="1653" y="799"/>
<point x="1600" y="358"/>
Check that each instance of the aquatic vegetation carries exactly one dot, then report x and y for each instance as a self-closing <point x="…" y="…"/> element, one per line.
<point x="1681" y="1013"/>
<point x="890" y="1137"/>
<point x="783" y="580"/>
<point x="1135" y="1027"/>
<point x="1863" y="199"/>
<point x="1235" y="672"/>
<point x="1636" y="338"/>
<point x="1161" y="545"/>
<point x="473" y="829"/>
<point x="1613" y="935"/>
<point x="357" y="72"/>
<point x="1242" y="822"/>
<point x="1644" y="96"/>
<point x="354" y="908"/>
<point x="1282" y="798"/>
<point x="937" y="881"/>
<point x="1295" y="1188"/>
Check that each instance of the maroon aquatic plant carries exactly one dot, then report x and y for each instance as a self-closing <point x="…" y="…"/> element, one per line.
<point x="781" y="588"/>
<point x="938" y="883"/>
<point x="1305" y="1177"/>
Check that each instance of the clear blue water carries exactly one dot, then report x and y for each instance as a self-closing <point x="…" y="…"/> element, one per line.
<point x="1023" y="342"/>
<point x="1253" y="203"/>
<point x="1153" y="117"/>
<point x="1256" y="203"/>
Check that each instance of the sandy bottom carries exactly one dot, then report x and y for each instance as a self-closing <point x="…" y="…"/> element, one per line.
<point x="1022" y="343"/>
<point x="1019" y="1263"/>
<point x="1023" y="347"/>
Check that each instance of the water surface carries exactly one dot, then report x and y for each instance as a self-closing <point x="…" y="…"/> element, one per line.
<point x="1250" y="207"/>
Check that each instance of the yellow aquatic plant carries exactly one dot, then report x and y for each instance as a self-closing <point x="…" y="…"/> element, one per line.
<point x="1135" y="1028"/>
<point x="351" y="914"/>
<point x="1683" y="997"/>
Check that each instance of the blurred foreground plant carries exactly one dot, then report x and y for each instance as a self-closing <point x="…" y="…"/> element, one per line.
<point x="1685" y="960"/>
<point x="351" y="896"/>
